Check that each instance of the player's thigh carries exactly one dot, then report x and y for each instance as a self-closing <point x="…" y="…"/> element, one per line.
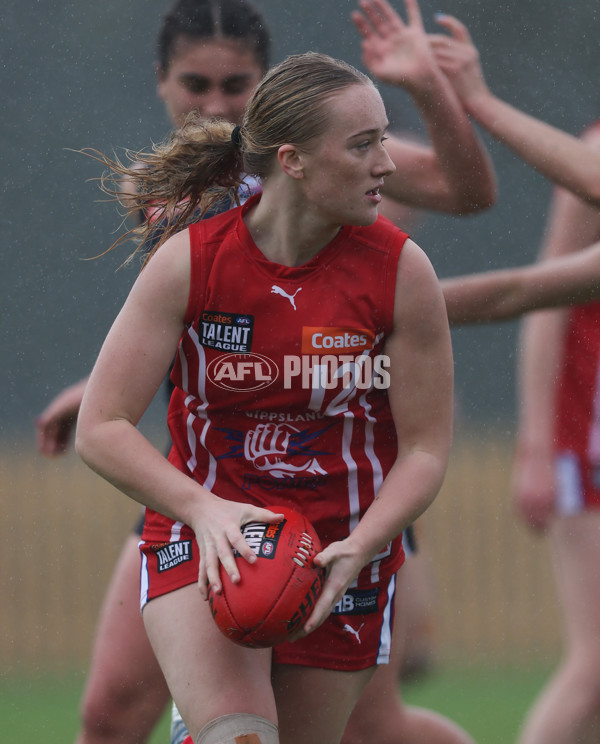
<point x="208" y="675"/>
<point x="575" y="544"/>
<point x="314" y="704"/>
<point x="379" y="698"/>
<point x="122" y="651"/>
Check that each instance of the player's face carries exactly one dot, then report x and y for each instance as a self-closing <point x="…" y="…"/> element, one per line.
<point x="214" y="77"/>
<point x="347" y="164"/>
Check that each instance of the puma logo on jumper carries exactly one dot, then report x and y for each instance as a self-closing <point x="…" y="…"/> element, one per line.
<point x="277" y="290"/>
<point x="350" y="629"/>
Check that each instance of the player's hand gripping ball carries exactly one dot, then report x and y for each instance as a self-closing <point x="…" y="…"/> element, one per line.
<point x="276" y="593"/>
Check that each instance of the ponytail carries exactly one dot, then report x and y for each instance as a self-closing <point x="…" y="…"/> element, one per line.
<point x="199" y="165"/>
<point x="205" y="161"/>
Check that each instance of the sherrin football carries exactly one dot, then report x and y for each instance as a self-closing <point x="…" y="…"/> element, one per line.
<point x="276" y="593"/>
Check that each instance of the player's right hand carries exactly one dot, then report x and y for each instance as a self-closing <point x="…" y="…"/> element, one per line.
<point x="534" y="489"/>
<point x="218" y="531"/>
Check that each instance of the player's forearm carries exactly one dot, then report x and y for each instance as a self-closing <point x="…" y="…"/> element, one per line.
<point x="461" y="157"/>
<point x="482" y="298"/>
<point x="540" y="358"/>
<point x="508" y="293"/>
<point x="118" y="452"/>
<point x="408" y="490"/>
<point x="561" y="157"/>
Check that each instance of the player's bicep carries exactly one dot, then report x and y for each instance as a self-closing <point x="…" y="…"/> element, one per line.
<point x="420" y="356"/>
<point x="141" y="344"/>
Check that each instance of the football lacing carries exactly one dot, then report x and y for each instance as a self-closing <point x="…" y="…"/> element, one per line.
<point x="304" y="551"/>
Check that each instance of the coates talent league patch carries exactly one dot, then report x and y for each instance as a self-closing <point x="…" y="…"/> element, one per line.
<point x="226" y="331"/>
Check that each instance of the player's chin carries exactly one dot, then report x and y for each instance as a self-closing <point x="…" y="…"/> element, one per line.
<point x="364" y="217"/>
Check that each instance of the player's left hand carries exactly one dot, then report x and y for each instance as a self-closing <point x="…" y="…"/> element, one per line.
<point x="395" y="52"/>
<point x="342" y="564"/>
<point x="458" y="58"/>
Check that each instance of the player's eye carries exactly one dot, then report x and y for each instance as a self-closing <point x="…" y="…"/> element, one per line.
<point x="196" y="85"/>
<point x="235" y="86"/>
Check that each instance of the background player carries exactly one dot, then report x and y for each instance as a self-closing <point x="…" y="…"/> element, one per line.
<point x="210" y="56"/>
<point x="556" y="484"/>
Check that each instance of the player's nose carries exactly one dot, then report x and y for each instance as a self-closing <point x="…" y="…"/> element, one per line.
<point x="215" y="104"/>
<point x="384" y="165"/>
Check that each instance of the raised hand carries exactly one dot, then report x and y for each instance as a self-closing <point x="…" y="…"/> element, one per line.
<point x="458" y="58"/>
<point x="394" y="51"/>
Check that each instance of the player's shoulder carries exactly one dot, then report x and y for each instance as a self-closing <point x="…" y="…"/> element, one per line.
<point x="207" y="236"/>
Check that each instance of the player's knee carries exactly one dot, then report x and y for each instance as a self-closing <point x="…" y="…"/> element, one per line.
<point x="97" y="721"/>
<point x="109" y="713"/>
<point x="239" y="728"/>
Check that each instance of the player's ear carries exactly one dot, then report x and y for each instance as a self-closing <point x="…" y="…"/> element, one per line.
<point x="291" y="161"/>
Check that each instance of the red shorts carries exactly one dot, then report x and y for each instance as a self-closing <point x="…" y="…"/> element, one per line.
<point x="356" y="635"/>
<point x="577" y="484"/>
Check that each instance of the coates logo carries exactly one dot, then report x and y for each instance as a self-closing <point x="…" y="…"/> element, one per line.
<point x="242" y="372"/>
<point x="332" y="340"/>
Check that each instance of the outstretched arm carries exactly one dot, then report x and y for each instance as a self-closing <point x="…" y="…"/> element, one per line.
<point x="454" y="174"/>
<point x="507" y="293"/>
<point x="564" y="159"/>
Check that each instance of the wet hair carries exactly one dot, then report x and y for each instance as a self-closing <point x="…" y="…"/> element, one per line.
<point x="290" y="106"/>
<point x="213" y="19"/>
<point x="207" y="159"/>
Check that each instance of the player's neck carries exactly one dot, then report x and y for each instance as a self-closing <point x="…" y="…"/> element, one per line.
<point x="286" y="231"/>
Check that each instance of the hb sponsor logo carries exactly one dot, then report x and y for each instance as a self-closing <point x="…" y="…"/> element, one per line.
<point x="357" y="602"/>
<point x="170" y="555"/>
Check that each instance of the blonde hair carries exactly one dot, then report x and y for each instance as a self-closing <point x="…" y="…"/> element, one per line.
<point x="290" y="106"/>
<point x="201" y="163"/>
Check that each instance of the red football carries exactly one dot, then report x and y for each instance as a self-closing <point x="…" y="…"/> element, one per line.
<point x="276" y="593"/>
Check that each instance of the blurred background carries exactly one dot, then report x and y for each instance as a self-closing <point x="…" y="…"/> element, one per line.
<point x="80" y="74"/>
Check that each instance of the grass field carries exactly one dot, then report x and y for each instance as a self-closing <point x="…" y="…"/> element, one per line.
<point x="489" y="703"/>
